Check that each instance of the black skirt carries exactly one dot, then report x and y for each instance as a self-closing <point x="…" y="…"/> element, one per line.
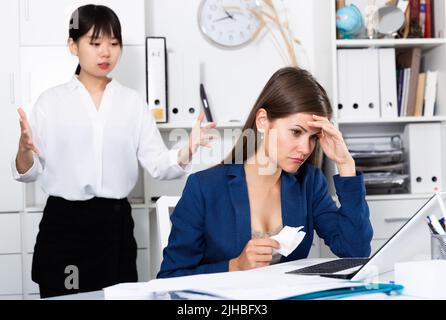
<point x="91" y="240"/>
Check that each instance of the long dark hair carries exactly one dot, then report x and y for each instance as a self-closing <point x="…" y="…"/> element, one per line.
<point x="289" y="91"/>
<point x="102" y="19"/>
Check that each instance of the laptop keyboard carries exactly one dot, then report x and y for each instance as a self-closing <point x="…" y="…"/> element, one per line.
<point x="331" y="266"/>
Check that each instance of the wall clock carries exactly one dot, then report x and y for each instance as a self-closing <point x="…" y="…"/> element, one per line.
<point x="229" y="23"/>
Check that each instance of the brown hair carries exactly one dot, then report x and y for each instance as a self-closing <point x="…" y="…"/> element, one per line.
<point x="289" y="91"/>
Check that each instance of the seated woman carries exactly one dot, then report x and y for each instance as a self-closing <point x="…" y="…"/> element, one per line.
<point x="227" y="213"/>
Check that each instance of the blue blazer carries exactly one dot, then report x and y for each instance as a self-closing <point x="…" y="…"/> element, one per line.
<point x="211" y="223"/>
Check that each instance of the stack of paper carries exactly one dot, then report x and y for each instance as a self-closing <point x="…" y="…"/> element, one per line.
<point x="241" y="285"/>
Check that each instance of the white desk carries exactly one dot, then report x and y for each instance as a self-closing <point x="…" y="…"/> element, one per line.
<point x="278" y="268"/>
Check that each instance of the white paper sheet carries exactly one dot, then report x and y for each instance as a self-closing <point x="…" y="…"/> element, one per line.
<point x="244" y="285"/>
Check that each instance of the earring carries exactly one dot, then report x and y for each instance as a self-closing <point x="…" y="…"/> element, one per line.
<point x="262" y="135"/>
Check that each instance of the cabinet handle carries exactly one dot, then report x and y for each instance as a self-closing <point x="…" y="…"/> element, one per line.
<point x="26" y="10"/>
<point x="390" y="220"/>
<point x="12" y="88"/>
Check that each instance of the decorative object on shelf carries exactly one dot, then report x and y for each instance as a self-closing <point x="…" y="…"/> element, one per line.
<point x="371" y="19"/>
<point x="229" y="24"/>
<point x="390" y="21"/>
<point x="349" y="21"/>
<point x="379" y="19"/>
<point x="339" y="5"/>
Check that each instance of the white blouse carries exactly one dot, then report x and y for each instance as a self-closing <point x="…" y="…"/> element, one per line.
<point x="85" y="152"/>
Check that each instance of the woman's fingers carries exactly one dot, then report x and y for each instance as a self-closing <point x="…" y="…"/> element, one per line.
<point x="262" y="265"/>
<point x="327" y="128"/>
<point x="22" y="113"/>
<point x="23" y="117"/>
<point x="264" y="258"/>
<point x="319" y="118"/>
<point x="199" y="120"/>
<point x="210" y="126"/>
<point x="265" y="242"/>
<point x="209" y="137"/>
<point x="36" y="150"/>
<point x="26" y="137"/>
<point x="263" y="250"/>
<point x="22" y="126"/>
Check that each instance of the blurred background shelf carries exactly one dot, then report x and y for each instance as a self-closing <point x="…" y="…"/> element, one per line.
<point x="390" y="43"/>
<point x="394" y="120"/>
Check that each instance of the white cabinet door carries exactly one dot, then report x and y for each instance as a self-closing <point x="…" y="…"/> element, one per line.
<point x="30" y="287"/>
<point x="46" y="67"/>
<point x="388" y="216"/>
<point x="11" y="194"/>
<point x="11" y="274"/>
<point x="131" y="69"/>
<point x="143" y="265"/>
<point x="46" y="22"/>
<point x="31" y="229"/>
<point x="43" y="68"/>
<point x="10" y="236"/>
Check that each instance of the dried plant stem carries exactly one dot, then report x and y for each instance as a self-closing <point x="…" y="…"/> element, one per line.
<point x="283" y="29"/>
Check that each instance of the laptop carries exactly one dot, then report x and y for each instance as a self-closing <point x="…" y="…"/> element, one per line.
<point x="412" y="239"/>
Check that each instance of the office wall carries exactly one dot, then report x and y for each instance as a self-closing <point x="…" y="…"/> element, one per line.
<point x="233" y="78"/>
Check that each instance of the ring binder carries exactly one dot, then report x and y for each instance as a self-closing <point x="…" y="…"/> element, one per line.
<point x="157" y="77"/>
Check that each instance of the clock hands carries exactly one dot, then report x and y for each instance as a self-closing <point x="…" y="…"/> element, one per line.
<point x="228" y="16"/>
<point x="221" y="19"/>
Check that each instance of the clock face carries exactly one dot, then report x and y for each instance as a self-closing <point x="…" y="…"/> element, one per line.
<point x="228" y="23"/>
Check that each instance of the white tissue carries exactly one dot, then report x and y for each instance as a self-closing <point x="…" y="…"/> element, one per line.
<point x="289" y="238"/>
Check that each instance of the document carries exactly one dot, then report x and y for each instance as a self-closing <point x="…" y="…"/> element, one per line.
<point x="255" y="284"/>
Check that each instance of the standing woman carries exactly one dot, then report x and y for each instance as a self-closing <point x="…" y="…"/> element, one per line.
<point x="83" y="142"/>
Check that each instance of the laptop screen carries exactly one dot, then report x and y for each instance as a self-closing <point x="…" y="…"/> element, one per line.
<point x="410" y="242"/>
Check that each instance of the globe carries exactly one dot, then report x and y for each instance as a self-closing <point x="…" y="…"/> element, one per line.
<point x="349" y="21"/>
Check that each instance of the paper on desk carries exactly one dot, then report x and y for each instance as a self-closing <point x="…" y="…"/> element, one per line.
<point x="289" y="238"/>
<point x="241" y="285"/>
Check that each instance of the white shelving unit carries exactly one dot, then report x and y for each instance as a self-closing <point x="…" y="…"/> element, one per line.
<point x="388" y="212"/>
<point x="396" y="120"/>
<point x="187" y="126"/>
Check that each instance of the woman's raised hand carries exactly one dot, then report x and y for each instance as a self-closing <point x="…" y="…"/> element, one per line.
<point x="26" y="137"/>
<point x="198" y="137"/>
<point x="333" y="145"/>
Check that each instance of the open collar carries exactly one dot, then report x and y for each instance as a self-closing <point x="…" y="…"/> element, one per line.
<point x="291" y="195"/>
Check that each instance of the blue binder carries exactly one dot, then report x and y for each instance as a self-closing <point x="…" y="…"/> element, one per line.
<point x="352" y="291"/>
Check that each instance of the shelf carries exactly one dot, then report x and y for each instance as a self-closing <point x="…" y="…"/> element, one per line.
<point x="220" y="125"/>
<point x="399" y="196"/>
<point x="35" y="209"/>
<point x="139" y="206"/>
<point x="395" y="120"/>
<point x="390" y="43"/>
